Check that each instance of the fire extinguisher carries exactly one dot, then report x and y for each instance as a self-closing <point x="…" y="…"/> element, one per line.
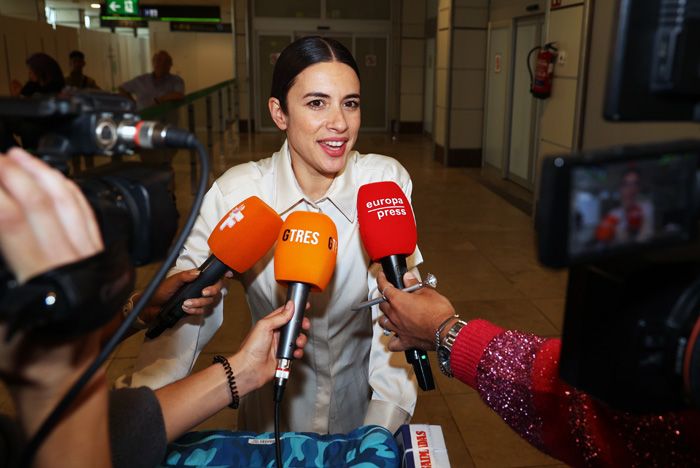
<point x="541" y="82"/>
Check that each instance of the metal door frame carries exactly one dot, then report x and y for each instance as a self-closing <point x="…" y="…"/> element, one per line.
<point x="529" y="183"/>
<point x="508" y="25"/>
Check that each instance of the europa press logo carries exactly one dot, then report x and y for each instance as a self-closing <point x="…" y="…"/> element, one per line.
<point x="234" y="216"/>
<point x="393" y="206"/>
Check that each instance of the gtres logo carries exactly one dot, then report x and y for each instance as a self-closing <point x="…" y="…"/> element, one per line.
<point x="302" y="236"/>
<point x="234" y="216"/>
<point x="386" y="207"/>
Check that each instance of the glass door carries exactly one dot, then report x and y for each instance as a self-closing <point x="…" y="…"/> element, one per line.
<point x="269" y="48"/>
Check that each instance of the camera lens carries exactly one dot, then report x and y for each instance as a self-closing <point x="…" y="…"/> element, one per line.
<point x="106" y="133"/>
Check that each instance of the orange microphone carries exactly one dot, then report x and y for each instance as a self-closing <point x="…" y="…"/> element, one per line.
<point x="305" y="255"/>
<point x="605" y="231"/>
<point x="241" y="238"/>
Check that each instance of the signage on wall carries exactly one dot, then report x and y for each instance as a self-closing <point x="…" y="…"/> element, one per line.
<point x="556" y="4"/>
<point x="201" y="27"/>
<point x="123" y="7"/>
<point x="497" y="63"/>
<point x="119" y="10"/>
<point x="370" y="60"/>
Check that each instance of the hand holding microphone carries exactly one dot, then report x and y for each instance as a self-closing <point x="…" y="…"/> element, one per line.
<point x="388" y="231"/>
<point x="238" y="241"/>
<point x="304" y="261"/>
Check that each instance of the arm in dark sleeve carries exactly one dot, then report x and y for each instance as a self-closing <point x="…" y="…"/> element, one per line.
<point x="136" y="428"/>
<point x="517" y="375"/>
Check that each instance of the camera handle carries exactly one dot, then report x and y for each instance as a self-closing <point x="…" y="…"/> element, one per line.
<point x="73" y="299"/>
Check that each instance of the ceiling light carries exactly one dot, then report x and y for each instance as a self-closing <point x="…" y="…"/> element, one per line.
<point x="94" y="5"/>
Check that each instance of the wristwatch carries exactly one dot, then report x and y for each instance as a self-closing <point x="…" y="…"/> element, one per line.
<point x="444" y="350"/>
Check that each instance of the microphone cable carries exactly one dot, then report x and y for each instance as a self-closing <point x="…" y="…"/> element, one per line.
<point x="181" y="139"/>
<point x="278" y="442"/>
<point x="277" y="394"/>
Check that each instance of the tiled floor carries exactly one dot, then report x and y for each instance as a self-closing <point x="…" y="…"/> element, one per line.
<point x="482" y="250"/>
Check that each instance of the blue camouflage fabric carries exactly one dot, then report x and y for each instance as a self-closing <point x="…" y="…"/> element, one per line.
<point x="366" y="446"/>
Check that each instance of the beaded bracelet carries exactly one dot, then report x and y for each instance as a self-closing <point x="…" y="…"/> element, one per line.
<point x="235" y="399"/>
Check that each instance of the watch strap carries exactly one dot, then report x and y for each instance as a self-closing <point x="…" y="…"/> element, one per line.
<point x="446" y="345"/>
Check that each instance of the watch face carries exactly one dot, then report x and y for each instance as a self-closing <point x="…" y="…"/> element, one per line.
<point x="444" y="360"/>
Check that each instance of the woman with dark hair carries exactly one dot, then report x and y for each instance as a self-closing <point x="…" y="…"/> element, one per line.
<point x="347" y="377"/>
<point x="45" y="77"/>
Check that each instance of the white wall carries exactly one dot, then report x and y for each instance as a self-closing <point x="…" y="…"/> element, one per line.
<point x="25" y="9"/>
<point x="201" y="59"/>
<point x="413" y="14"/>
<point x="558" y="117"/>
<point x="107" y="55"/>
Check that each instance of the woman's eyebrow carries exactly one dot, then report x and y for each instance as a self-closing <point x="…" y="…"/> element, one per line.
<point x="316" y="94"/>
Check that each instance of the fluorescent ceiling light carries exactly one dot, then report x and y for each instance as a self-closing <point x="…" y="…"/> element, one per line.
<point x="94" y="5"/>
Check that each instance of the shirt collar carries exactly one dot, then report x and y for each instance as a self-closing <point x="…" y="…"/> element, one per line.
<point x="342" y="193"/>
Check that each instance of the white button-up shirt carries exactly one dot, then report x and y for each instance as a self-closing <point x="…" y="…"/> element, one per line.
<point x="347" y="376"/>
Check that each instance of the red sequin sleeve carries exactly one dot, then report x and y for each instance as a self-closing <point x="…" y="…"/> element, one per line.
<point x="517" y="376"/>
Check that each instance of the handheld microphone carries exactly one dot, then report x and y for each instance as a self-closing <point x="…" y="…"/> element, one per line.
<point x="388" y="231"/>
<point x="304" y="260"/>
<point x="241" y="238"/>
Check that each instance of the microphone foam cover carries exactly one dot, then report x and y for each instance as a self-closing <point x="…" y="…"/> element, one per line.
<point x="387" y="225"/>
<point x="306" y="250"/>
<point x="245" y="234"/>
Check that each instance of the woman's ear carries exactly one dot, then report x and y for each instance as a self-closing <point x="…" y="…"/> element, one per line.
<point x="277" y="114"/>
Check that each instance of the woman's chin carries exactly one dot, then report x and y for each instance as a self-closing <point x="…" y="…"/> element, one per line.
<point x="334" y="165"/>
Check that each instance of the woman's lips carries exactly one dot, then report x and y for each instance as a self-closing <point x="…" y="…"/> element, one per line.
<point x="333" y="150"/>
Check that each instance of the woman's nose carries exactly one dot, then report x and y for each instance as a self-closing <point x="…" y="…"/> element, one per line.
<point x="337" y="120"/>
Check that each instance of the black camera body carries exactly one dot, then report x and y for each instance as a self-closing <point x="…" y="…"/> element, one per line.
<point x="625" y="221"/>
<point x="133" y="202"/>
<point x="630" y="334"/>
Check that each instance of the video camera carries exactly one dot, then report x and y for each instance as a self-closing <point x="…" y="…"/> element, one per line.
<point x="625" y="220"/>
<point x="133" y="202"/>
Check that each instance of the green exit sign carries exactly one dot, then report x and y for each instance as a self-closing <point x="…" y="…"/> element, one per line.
<point x="123" y="7"/>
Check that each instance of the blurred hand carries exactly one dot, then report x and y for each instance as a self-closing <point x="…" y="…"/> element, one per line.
<point x="45" y="222"/>
<point x="15" y="88"/>
<point x="255" y="363"/>
<point x="413" y="317"/>
<point x="211" y="295"/>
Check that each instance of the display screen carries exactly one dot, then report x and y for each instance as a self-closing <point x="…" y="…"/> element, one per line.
<point x="619" y="205"/>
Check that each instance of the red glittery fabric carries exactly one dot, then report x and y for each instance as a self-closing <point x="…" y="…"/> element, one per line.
<point x="517" y="375"/>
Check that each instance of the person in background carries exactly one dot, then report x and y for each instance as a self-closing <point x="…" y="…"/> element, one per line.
<point x="517" y="376"/>
<point x="45" y="77"/>
<point x="157" y="87"/>
<point x="45" y="80"/>
<point x="152" y="89"/>
<point x="76" y="78"/>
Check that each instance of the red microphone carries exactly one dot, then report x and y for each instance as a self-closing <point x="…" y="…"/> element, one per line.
<point x="241" y="238"/>
<point x="635" y="219"/>
<point x="388" y="231"/>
